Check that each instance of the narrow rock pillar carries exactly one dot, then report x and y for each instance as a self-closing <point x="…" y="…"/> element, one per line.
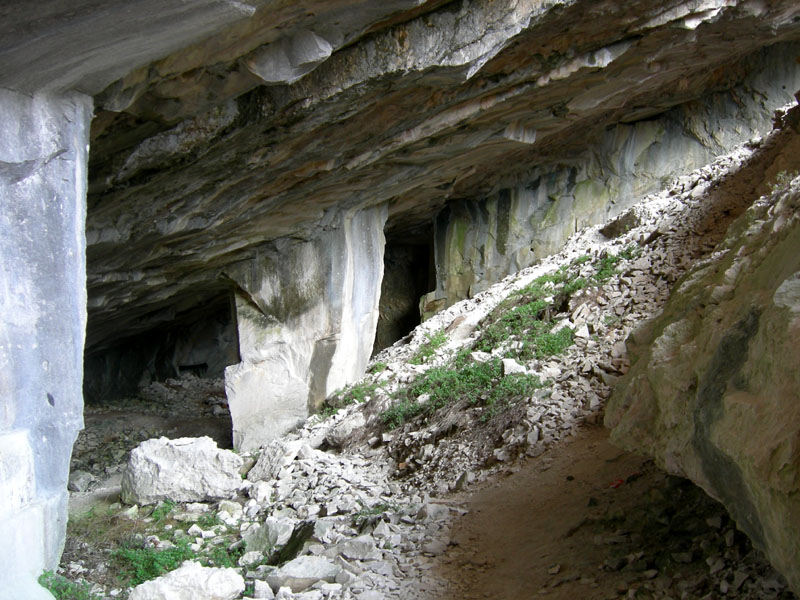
<point x="43" y="158"/>
<point x="306" y="314"/>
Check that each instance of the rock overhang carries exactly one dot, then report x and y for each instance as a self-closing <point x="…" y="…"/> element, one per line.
<point x="195" y="164"/>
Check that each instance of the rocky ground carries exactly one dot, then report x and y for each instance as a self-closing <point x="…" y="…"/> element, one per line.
<point x="468" y="463"/>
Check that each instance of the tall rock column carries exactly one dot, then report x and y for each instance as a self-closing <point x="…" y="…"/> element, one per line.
<point x="43" y="158"/>
<point x="306" y="313"/>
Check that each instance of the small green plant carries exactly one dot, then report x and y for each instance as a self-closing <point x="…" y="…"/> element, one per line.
<point x="208" y="520"/>
<point x="64" y="589"/>
<point x="606" y="268"/>
<point x="584" y="258"/>
<point x="527" y="317"/>
<point x="356" y="393"/>
<point x="143" y="564"/>
<point x="220" y="556"/>
<point x="434" y="341"/>
<point x="630" y="252"/>
<point x="162" y="511"/>
<point x="541" y="341"/>
<point x="378" y="367"/>
<point x="475" y="383"/>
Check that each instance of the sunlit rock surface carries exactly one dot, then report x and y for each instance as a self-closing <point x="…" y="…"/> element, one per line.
<point x="712" y="393"/>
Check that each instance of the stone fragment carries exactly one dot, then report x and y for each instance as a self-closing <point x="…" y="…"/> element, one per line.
<point x="274" y="532"/>
<point x="302" y="572"/>
<point x="181" y="470"/>
<point x="273" y="458"/>
<point x="433" y="512"/>
<point x="361" y="548"/>
<point x="435" y="547"/>
<point x="480" y="357"/>
<point x="192" y="582"/>
<point x="340" y="433"/>
<point x="511" y="367"/>
<point x="261" y="492"/>
<point x="251" y="557"/>
<point x="262" y="591"/>
<point x="582" y="332"/>
<point x="288" y="59"/>
<point x="79" y="481"/>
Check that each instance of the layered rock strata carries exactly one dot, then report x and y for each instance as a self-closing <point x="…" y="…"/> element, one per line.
<point x="459" y="103"/>
<point x="479" y="243"/>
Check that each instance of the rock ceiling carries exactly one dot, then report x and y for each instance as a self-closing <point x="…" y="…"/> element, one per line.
<point x="295" y="110"/>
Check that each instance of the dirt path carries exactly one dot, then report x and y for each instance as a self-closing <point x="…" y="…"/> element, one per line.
<point x="588" y="521"/>
<point x="522" y="529"/>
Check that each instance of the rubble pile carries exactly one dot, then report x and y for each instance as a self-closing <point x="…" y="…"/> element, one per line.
<point x="348" y="508"/>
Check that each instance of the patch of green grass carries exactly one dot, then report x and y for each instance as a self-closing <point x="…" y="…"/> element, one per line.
<point x="143" y="564"/>
<point x="356" y="393"/>
<point x="527" y="317"/>
<point x="478" y="384"/>
<point x="434" y="341"/>
<point x="220" y="556"/>
<point x="584" y="258"/>
<point x="378" y="367"/>
<point x="630" y="252"/>
<point x="512" y="323"/>
<point x="162" y="511"/>
<point x="64" y="589"/>
<point x="606" y="266"/>
<point x="540" y="341"/>
<point x="401" y="412"/>
<point x="208" y="520"/>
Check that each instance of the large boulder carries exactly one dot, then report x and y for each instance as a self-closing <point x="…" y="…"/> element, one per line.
<point x="713" y="391"/>
<point x="182" y="470"/>
<point x="192" y="582"/>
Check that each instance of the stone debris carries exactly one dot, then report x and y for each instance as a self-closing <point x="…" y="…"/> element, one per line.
<point x="302" y="572"/>
<point x="182" y="470"/>
<point x="360" y="512"/>
<point x="191" y="582"/>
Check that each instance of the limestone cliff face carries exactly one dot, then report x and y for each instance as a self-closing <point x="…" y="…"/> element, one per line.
<point x="713" y="391"/>
<point x="480" y="242"/>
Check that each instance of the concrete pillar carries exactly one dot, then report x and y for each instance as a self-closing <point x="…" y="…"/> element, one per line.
<point x="306" y="314"/>
<point x="43" y="161"/>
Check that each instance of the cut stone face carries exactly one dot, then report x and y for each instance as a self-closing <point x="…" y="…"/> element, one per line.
<point x="307" y="314"/>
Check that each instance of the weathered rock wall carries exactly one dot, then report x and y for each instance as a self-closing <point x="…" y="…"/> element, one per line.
<point x="713" y="391"/>
<point x="306" y="314"/>
<point x="43" y="147"/>
<point x="477" y="243"/>
<point x="456" y="103"/>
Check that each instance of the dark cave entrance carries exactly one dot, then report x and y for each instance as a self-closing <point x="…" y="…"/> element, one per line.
<point x="168" y="380"/>
<point x="409" y="273"/>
